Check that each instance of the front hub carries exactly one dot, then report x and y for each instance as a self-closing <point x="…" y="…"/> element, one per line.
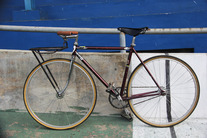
<point x="60" y="96"/>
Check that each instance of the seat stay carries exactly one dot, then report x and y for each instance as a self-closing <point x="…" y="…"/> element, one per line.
<point x="150" y="74"/>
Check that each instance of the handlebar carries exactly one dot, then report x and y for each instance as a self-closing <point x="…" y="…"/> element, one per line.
<point x="68" y="35"/>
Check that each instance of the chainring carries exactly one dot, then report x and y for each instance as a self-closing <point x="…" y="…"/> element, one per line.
<point x="117" y="103"/>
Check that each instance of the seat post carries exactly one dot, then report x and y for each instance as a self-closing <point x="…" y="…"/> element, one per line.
<point x="133" y="41"/>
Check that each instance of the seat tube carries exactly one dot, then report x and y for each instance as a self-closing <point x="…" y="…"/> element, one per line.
<point x="127" y="65"/>
<point x="126" y="71"/>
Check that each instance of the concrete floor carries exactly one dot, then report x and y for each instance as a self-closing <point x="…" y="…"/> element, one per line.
<point x="190" y="128"/>
<point x="21" y="125"/>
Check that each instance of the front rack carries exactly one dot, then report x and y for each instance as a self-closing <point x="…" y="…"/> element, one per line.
<point x="45" y="50"/>
<point x="48" y="50"/>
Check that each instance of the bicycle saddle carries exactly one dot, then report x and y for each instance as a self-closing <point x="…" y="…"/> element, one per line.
<point x="133" y="31"/>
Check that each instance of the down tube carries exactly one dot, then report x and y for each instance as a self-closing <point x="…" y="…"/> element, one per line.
<point x="92" y="69"/>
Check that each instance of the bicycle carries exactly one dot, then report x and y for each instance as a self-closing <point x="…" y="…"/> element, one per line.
<point x="59" y="93"/>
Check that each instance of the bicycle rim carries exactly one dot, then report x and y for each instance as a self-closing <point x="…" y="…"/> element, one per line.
<point x="179" y="82"/>
<point x="70" y="109"/>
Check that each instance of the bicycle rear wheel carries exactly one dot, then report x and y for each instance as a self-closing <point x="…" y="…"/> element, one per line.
<point x="180" y="84"/>
<point x="64" y="111"/>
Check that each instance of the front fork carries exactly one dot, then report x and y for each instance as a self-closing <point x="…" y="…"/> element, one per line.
<point x="69" y="75"/>
<point x="71" y="63"/>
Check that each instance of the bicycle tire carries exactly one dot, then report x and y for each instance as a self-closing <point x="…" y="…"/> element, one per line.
<point x="60" y="112"/>
<point x="179" y="81"/>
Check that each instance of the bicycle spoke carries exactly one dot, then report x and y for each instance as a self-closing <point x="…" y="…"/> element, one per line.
<point x="65" y="110"/>
<point x="181" y="91"/>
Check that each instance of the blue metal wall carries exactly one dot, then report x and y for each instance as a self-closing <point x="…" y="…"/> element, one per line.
<point x="105" y="14"/>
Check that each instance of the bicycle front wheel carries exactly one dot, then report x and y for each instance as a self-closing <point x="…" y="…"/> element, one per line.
<point x="180" y="84"/>
<point x="65" y="110"/>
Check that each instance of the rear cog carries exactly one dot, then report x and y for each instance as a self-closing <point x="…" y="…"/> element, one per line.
<point x="117" y="103"/>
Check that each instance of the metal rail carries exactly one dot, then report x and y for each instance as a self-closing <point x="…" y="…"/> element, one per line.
<point x="56" y="29"/>
<point x="102" y="30"/>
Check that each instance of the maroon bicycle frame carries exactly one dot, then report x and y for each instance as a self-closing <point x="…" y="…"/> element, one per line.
<point x="131" y="50"/>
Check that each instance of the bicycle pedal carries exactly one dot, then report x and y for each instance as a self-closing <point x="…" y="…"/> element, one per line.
<point x="127" y="116"/>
